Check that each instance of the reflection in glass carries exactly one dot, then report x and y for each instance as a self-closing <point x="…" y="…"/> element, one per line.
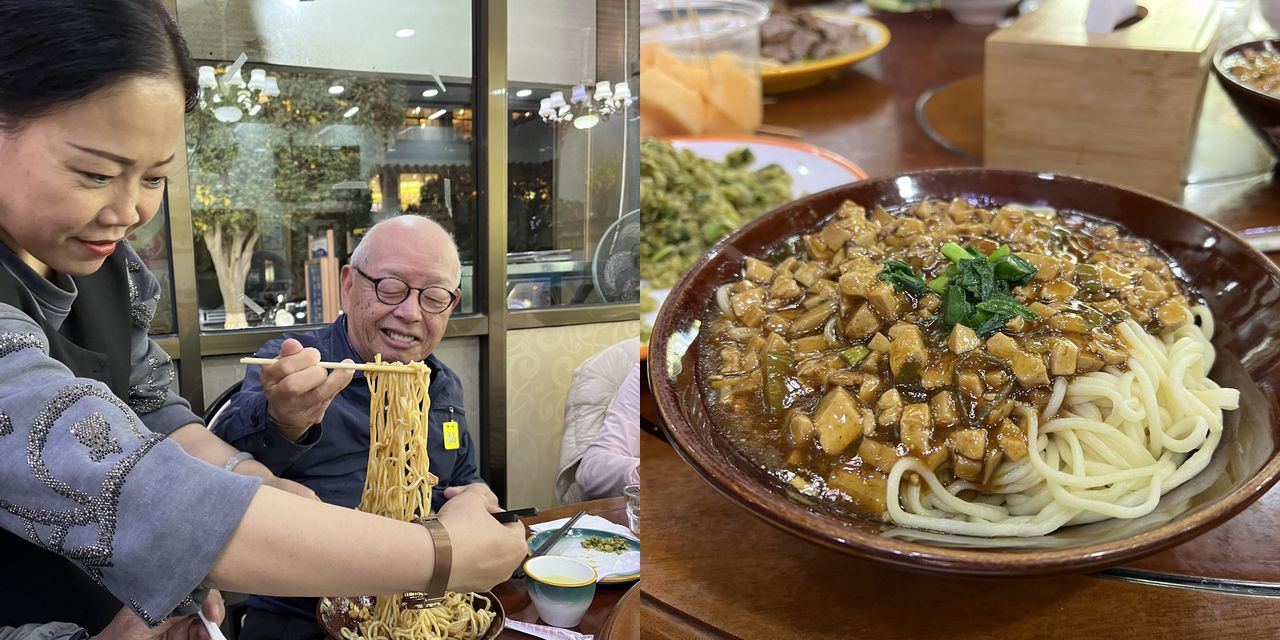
<point x="572" y="171"/>
<point x="332" y="152"/>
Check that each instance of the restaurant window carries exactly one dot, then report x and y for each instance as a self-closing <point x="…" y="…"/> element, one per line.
<point x="573" y="220"/>
<point x="294" y="154"/>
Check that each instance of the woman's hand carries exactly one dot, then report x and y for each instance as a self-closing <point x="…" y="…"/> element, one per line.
<point x="485" y="552"/>
<point x="214" y="609"/>
<point x="128" y="626"/>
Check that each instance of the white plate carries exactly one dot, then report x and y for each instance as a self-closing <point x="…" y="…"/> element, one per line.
<point x="812" y="169"/>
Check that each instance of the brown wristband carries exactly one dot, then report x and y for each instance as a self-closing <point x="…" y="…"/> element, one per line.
<point x="440" y="574"/>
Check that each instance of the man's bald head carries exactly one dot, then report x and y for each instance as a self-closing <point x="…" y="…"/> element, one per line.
<point x="417" y="231"/>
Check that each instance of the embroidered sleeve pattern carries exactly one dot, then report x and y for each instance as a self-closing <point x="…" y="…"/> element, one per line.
<point x="151" y="393"/>
<point x="83" y="477"/>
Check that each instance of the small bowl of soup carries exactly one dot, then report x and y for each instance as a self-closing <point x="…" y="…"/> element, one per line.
<point x="979" y="372"/>
<point x="1250" y="74"/>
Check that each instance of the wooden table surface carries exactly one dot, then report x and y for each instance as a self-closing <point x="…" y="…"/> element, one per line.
<point x="713" y="570"/>
<point x="515" y="597"/>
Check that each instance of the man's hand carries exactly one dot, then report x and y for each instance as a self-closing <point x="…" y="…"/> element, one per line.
<point x="298" y="389"/>
<point x="491" y="500"/>
<point x="295" y="488"/>
<point x="127" y="626"/>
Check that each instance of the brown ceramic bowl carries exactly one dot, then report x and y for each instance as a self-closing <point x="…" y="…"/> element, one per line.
<point x="1259" y="109"/>
<point x="1241" y="286"/>
<point x="331" y="614"/>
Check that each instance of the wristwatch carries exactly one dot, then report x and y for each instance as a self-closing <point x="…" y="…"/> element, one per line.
<point x="440" y="575"/>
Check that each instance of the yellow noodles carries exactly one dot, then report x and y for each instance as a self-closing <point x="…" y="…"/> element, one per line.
<point x="399" y="486"/>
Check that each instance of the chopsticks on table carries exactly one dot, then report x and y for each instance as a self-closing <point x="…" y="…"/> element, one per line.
<point x="550" y="543"/>
<point x="1264" y="239"/>
<point x="337" y="365"/>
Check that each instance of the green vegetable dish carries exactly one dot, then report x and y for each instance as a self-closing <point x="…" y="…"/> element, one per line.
<point x="607" y="545"/>
<point x="688" y="203"/>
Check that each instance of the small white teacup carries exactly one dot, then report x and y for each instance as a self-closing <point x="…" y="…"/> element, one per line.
<point x="561" y="588"/>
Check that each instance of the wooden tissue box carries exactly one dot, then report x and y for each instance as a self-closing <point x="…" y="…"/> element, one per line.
<point x="1119" y="107"/>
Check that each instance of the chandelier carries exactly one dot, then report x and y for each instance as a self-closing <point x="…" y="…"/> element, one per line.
<point x="229" y="97"/>
<point x="586" y="111"/>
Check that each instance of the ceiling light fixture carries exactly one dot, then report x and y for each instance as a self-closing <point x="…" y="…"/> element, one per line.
<point x="583" y="109"/>
<point x="227" y="96"/>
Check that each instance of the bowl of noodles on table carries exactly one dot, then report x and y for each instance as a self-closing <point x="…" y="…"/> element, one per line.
<point x="346" y="618"/>
<point x="977" y="371"/>
<point x="398" y="485"/>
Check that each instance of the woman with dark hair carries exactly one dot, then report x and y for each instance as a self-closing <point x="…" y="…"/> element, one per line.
<point x="115" y="501"/>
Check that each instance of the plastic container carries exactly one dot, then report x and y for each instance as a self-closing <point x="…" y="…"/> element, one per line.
<point x="700" y="67"/>
<point x="978" y="12"/>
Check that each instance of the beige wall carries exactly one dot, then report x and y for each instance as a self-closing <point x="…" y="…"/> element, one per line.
<point x="540" y="364"/>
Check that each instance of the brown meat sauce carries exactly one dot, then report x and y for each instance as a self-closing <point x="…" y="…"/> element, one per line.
<point x="943" y="396"/>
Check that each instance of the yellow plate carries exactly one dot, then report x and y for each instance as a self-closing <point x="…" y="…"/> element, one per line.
<point x="802" y="75"/>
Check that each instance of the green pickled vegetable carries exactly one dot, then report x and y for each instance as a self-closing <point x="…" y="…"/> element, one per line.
<point x="908" y="372"/>
<point x="1088" y="280"/>
<point x="854" y="355"/>
<point x="777" y="372"/>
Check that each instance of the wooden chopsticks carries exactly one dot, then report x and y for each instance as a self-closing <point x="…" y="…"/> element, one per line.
<point x="549" y="543"/>
<point x="338" y="365"/>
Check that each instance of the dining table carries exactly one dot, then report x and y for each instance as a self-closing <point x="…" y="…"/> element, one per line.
<point x="714" y="570"/>
<point x="610" y="615"/>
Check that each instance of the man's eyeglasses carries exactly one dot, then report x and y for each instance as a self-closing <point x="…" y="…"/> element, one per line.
<point x="392" y="290"/>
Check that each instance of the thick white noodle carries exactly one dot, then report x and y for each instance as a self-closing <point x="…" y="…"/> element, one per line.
<point x="1108" y="445"/>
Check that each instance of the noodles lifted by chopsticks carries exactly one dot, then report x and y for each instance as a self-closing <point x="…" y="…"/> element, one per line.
<point x="399" y="486"/>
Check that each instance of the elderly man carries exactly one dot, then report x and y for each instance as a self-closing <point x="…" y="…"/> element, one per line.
<point x="309" y="424"/>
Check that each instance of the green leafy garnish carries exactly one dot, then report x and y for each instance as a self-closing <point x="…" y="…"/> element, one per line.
<point x="956" y="307"/>
<point x="900" y="276"/>
<point x="955" y="252"/>
<point x="1009" y="307"/>
<point x="977" y="294"/>
<point x="1000" y="252"/>
<point x="975" y="288"/>
<point x="1014" y="270"/>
